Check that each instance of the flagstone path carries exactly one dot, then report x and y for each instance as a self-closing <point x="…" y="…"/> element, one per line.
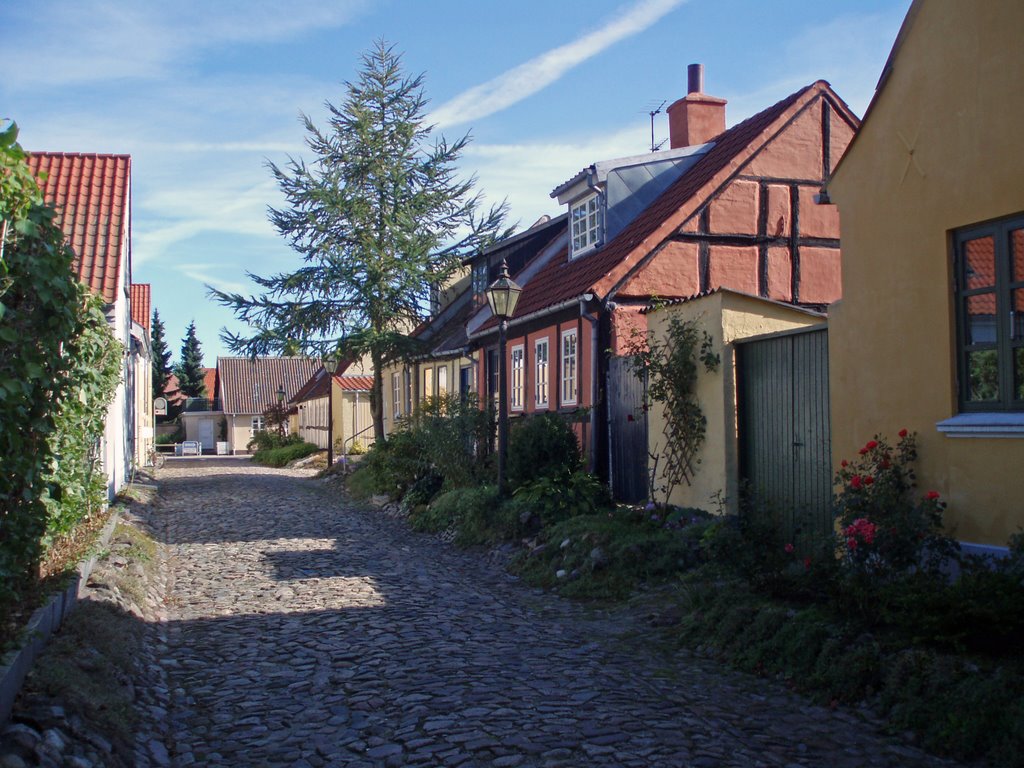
<point x="304" y="631"/>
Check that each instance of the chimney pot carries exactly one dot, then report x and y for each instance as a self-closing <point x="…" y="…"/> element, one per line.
<point x="696" y="118"/>
<point x="695" y="78"/>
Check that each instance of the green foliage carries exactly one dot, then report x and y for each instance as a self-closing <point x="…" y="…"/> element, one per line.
<point x="445" y="439"/>
<point x="357" y="448"/>
<point x="670" y="368"/>
<point x="454" y="508"/>
<point x="559" y="497"/>
<point x="608" y="555"/>
<point x="266" y="441"/>
<point x="161" y="355"/>
<point x="379" y="219"/>
<point x="78" y="486"/>
<point x="189" y="370"/>
<point x="53" y="396"/>
<point x="543" y="445"/>
<point x="284" y="455"/>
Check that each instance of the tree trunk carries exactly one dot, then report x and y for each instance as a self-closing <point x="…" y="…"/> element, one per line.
<point x="377" y="398"/>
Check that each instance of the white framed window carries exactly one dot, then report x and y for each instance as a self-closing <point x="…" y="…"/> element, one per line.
<point x="518" y="374"/>
<point x="540" y="373"/>
<point x="442" y="380"/>
<point x="257" y="424"/>
<point x="569" y="367"/>
<point x="396" y="395"/>
<point x="585" y="222"/>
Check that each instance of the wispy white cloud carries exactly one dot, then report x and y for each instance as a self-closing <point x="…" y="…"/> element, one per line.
<point x="538" y="73"/>
<point x="204" y="274"/>
<point x="89" y="41"/>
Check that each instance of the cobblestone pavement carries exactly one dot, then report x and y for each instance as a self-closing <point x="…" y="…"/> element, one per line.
<point x="303" y="631"/>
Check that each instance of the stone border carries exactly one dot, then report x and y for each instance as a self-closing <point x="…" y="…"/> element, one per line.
<point x="15" y="666"/>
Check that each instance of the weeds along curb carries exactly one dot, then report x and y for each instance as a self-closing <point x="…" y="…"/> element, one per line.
<point x="15" y="665"/>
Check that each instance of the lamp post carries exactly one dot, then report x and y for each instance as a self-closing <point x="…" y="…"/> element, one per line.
<point x="330" y="364"/>
<point x="502" y="296"/>
<point x="280" y="409"/>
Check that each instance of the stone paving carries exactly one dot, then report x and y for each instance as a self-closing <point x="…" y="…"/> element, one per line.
<point x="305" y="631"/>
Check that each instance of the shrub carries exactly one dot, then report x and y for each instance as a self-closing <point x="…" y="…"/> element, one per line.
<point x="453" y="508"/>
<point x="541" y="446"/>
<point x="284" y="455"/>
<point x="266" y="440"/>
<point x="357" y="448"/>
<point x="554" y="498"/>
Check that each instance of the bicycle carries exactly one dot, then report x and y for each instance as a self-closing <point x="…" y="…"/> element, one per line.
<point x="156" y="459"/>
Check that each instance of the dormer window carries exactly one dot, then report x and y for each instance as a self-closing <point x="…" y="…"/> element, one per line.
<point x="586" y="222"/>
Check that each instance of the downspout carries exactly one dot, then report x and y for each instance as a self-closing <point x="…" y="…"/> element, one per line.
<point x="609" y="309"/>
<point x="594" y="375"/>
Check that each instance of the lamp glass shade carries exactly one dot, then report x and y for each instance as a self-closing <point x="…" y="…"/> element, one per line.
<point x="280" y="393"/>
<point x="503" y="294"/>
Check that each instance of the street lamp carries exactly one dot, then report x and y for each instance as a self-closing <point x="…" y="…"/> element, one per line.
<point x="502" y="296"/>
<point x="280" y="409"/>
<point x="330" y="364"/>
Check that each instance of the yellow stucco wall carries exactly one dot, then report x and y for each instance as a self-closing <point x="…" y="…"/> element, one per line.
<point x="940" y="149"/>
<point x="417" y="384"/>
<point x="727" y="317"/>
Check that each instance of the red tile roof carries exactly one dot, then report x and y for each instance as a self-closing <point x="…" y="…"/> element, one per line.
<point x="354" y="383"/>
<point x="250" y="386"/>
<point x="92" y="194"/>
<point x="600" y="272"/>
<point x="140" y="301"/>
<point x="210" y="382"/>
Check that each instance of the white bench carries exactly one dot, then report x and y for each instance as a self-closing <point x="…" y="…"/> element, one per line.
<point x="188" y="448"/>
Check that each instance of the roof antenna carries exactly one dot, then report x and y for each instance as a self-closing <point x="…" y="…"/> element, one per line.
<point x="660" y="144"/>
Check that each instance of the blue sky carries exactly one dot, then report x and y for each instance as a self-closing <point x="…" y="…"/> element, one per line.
<point x="201" y="94"/>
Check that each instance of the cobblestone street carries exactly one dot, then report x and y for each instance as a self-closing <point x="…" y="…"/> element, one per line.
<point x="302" y="631"/>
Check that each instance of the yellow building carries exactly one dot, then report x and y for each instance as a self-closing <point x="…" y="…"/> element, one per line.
<point x="728" y="317"/>
<point x="442" y="367"/>
<point x="928" y="335"/>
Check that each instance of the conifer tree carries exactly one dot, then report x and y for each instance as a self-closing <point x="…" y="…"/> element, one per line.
<point x="189" y="370"/>
<point x="161" y="355"/>
<point x="379" y="218"/>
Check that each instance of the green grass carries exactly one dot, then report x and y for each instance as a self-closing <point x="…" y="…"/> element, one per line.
<point x="608" y="555"/>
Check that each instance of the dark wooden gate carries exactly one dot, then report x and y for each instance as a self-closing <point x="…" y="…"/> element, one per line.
<point x="627" y="423"/>
<point x="784" y="428"/>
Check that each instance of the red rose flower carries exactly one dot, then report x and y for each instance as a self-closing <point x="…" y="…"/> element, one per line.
<point x="843" y="463"/>
<point x="855" y="482"/>
<point x="932" y="495"/>
<point x="871" y="445"/>
<point x="868" y="480"/>
<point x="789" y="548"/>
<point x="903" y="433"/>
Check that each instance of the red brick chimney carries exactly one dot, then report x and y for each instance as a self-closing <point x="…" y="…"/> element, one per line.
<point x="696" y="118"/>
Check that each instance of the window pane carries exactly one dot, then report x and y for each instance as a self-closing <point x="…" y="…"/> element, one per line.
<point x="1017" y="247"/>
<point x="981" y="319"/>
<point x="980" y="262"/>
<point x="982" y="376"/>
<point x="1018" y="373"/>
<point x="1017" y="315"/>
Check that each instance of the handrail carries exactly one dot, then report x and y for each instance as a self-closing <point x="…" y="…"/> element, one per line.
<point x="352" y="439"/>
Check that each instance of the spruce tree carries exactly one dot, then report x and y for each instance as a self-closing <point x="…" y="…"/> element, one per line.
<point x="379" y="218"/>
<point x="189" y="370"/>
<point x="161" y="355"/>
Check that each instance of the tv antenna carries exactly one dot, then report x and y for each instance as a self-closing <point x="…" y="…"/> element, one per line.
<point x="652" y="113"/>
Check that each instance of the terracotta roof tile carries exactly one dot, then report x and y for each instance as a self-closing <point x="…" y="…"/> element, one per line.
<point x="250" y="386"/>
<point x="92" y="195"/>
<point x="354" y="383"/>
<point x="562" y="280"/>
<point x="140" y="301"/>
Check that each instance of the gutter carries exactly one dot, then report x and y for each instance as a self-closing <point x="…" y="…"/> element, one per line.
<point x="526" y="318"/>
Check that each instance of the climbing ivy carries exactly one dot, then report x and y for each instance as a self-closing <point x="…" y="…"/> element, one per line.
<point x="58" y="369"/>
<point x="669" y="366"/>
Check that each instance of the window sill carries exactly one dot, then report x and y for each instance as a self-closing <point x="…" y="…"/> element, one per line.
<point x="986" y="425"/>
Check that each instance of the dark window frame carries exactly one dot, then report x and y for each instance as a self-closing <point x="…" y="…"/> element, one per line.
<point x="1005" y="346"/>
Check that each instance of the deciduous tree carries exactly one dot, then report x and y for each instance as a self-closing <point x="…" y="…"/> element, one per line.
<point x="379" y="218"/>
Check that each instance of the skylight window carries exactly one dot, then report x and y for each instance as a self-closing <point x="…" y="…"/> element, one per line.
<point x="586" y="222"/>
